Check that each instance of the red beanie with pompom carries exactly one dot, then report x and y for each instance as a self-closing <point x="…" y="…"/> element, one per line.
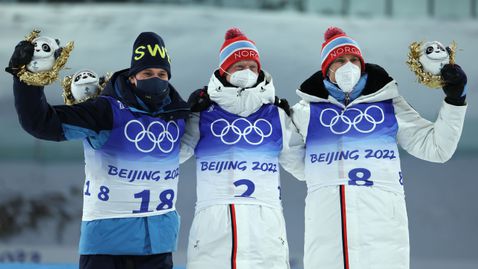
<point x="237" y="47"/>
<point x="337" y="44"/>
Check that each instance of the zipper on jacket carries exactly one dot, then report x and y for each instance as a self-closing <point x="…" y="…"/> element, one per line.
<point x="239" y="92"/>
<point x="341" y="165"/>
<point x="347" y="99"/>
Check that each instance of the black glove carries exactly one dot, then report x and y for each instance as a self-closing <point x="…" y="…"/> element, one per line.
<point x="454" y="85"/>
<point x="22" y="55"/>
<point x="282" y="103"/>
<point x="199" y="100"/>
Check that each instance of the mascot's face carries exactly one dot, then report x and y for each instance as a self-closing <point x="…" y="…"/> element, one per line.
<point x="433" y="57"/>
<point x="85" y="83"/>
<point x="435" y="50"/>
<point x="44" y="47"/>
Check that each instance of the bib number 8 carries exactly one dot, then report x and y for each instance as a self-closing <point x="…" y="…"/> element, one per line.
<point x="360" y="177"/>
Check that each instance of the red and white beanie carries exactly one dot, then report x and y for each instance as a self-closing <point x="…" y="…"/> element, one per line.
<point x="337" y="44"/>
<point x="237" y="47"/>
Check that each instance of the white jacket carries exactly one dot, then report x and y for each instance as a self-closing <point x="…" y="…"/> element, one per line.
<point x="430" y="141"/>
<point x="355" y="209"/>
<point x="234" y="99"/>
<point x="238" y="142"/>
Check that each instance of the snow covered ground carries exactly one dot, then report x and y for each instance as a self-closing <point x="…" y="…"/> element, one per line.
<point x="443" y="208"/>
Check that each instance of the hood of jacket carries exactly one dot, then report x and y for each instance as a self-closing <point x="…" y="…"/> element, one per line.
<point x="380" y="86"/>
<point x="120" y="88"/>
<point x="240" y="101"/>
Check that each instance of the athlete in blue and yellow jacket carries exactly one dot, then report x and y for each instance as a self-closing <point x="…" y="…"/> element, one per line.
<point x="131" y="136"/>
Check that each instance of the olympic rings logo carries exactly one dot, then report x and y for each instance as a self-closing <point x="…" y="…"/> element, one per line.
<point x="155" y="135"/>
<point x="368" y="121"/>
<point x="231" y="133"/>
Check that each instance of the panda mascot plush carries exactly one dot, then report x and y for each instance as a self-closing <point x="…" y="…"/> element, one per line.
<point x="85" y="84"/>
<point x="46" y="50"/>
<point x="82" y="85"/>
<point x="434" y="56"/>
<point x="426" y="60"/>
<point x="42" y="61"/>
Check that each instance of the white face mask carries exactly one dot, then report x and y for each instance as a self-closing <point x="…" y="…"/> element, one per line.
<point x="243" y="78"/>
<point x="347" y="76"/>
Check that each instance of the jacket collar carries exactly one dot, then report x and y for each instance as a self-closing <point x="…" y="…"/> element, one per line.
<point x="379" y="86"/>
<point x="239" y="101"/>
<point x="120" y="88"/>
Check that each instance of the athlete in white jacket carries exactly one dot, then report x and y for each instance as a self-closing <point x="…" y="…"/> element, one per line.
<point x="239" y="139"/>
<point x="351" y="120"/>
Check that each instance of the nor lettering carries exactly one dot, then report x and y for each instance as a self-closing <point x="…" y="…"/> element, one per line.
<point x="245" y="53"/>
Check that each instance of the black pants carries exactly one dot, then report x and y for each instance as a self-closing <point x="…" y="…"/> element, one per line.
<point x="157" y="261"/>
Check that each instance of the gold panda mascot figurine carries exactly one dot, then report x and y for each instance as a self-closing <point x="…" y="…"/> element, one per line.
<point x="47" y="60"/>
<point x="433" y="57"/>
<point x="427" y="59"/>
<point x="46" y="51"/>
<point x="83" y="85"/>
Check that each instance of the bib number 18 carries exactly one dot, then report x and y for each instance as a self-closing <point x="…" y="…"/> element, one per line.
<point x="166" y="199"/>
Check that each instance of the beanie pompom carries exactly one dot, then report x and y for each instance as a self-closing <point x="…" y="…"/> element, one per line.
<point x="232" y="33"/>
<point x="333" y="31"/>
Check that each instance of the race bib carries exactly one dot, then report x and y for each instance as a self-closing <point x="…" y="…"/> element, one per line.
<point x="355" y="146"/>
<point x="237" y="158"/>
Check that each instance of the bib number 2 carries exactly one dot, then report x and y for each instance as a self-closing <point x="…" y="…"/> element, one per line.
<point x="250" y="187"/>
